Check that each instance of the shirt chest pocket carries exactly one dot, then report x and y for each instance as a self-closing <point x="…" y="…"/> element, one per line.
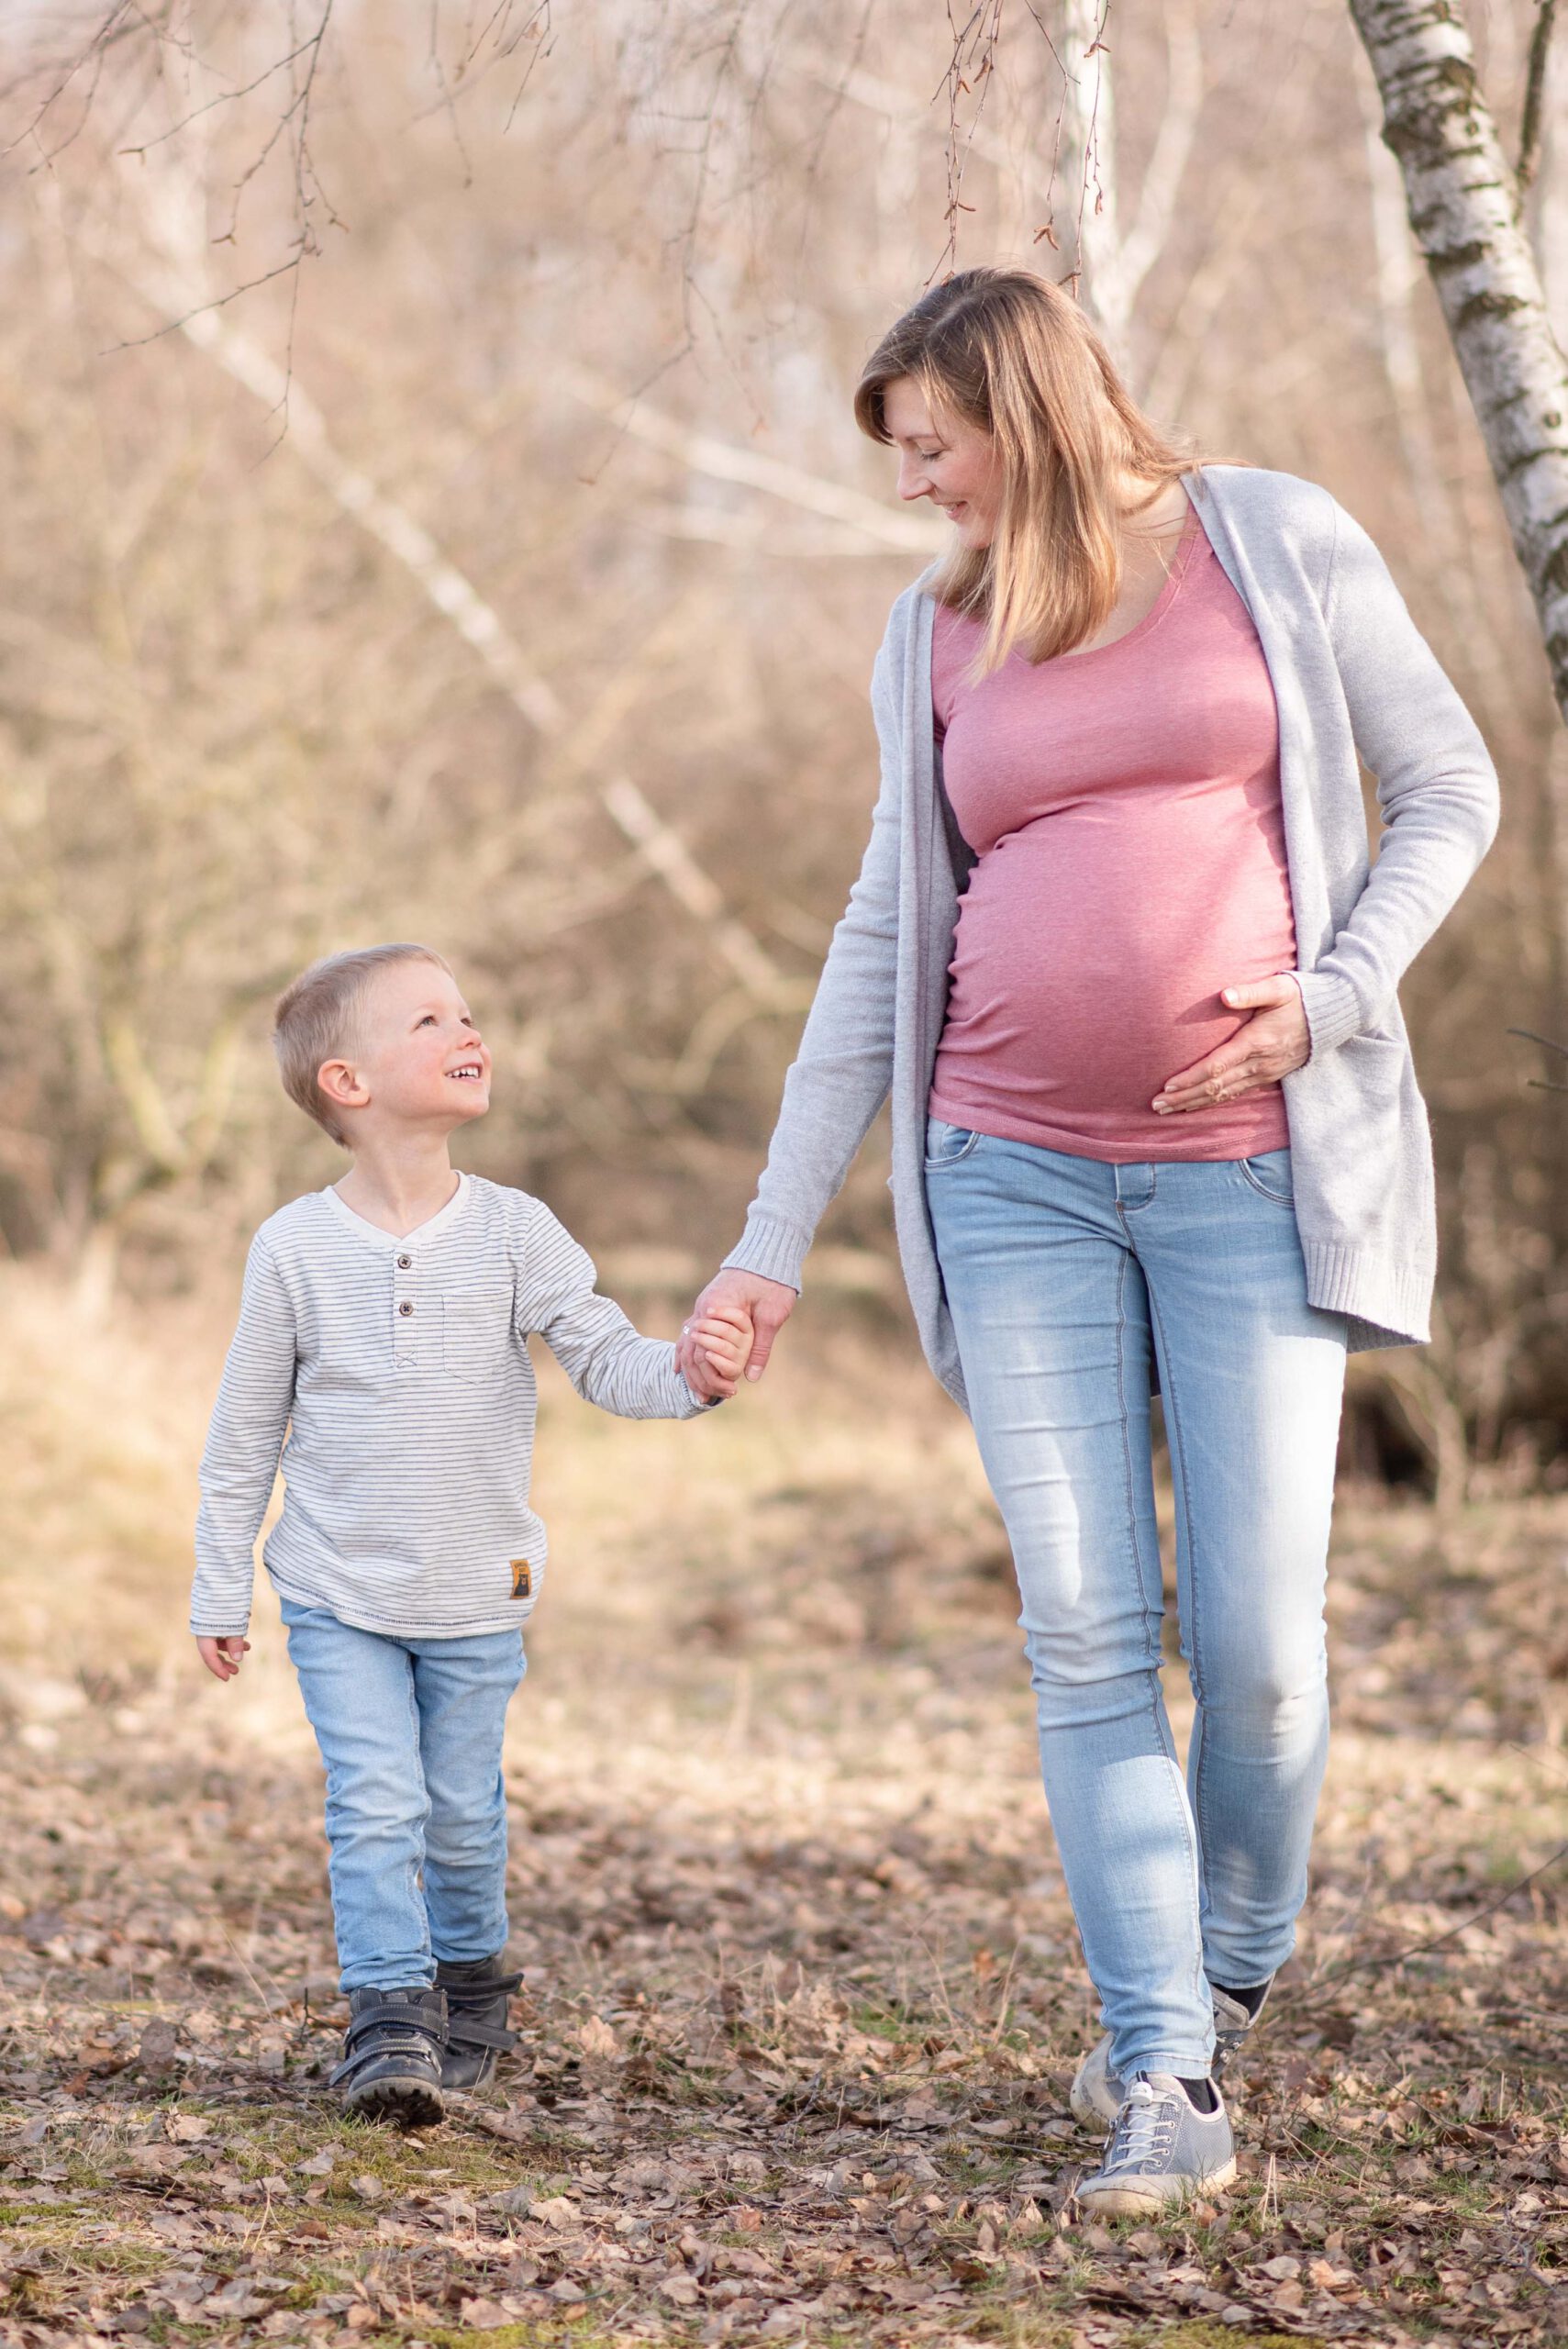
<point x="476" y="1333"/>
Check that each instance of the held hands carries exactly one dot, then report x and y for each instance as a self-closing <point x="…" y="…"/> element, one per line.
<point x="763" y="1305"/>
<point x="1274" y="1040"/>
<point x="713" y="1350"/>
<point x="222" y="1657"/>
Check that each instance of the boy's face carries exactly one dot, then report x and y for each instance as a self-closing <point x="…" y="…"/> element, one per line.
<point x="419" y="1059"/>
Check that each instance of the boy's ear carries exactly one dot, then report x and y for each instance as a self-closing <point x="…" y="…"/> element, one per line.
<point x="340" y="1082"/>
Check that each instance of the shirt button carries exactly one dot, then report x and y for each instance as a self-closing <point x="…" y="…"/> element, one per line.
<point x="405" y="1309"/>
<point x="405" y="1263"/>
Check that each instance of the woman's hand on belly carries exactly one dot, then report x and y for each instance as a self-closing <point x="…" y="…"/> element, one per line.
<point x="1274" y="1040"/>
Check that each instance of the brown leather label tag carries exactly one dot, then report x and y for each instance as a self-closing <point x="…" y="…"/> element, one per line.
<point x="522" y="1578"/>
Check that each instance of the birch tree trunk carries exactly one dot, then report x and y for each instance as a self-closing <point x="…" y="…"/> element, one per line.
<point x="1463" y="200"/>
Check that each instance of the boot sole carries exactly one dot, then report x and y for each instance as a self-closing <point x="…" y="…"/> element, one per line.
<point x="1141" y="2202"/>
<point x="408" y="2104"/>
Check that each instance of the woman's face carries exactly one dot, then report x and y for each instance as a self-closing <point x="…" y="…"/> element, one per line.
<point x="940" y="457"/>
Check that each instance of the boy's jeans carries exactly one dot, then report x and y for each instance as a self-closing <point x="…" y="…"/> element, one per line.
<point x="1063" y="1276"/>
<point x="410" y="1732"/>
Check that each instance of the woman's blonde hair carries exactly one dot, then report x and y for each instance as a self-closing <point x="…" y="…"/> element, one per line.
<point x="1013" y="354"/>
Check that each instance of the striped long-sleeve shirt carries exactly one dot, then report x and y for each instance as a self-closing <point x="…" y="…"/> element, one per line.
<point x="399" y="1372"/>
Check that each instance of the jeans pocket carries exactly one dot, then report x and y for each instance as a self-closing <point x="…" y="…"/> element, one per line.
<point x="1269" y="1175"/>
<point x="946" y="1145"/>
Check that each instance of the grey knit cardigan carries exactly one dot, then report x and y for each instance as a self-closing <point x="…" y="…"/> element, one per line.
<point x="1350" y="673"/>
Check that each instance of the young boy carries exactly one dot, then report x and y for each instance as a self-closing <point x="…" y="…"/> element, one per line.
<point x="384" y="1326"/>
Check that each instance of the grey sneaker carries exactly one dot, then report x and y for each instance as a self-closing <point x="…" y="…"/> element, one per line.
<point x="1098" y="2092"/>
<point x="1163" y="2150"/>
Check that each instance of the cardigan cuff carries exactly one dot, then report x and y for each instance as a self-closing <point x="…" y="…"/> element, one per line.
<point x="1333" y="1015"/>
<point x="775" y="1252"/>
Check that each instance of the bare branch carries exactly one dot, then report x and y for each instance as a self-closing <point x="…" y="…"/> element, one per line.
<point x="224" y="98"/>
<point x="702" y="452"/>
<point x="91" y="54"/>
<point x="969" y="73"/>
<point x="1550" y="1042"/>
<point x="477" y="621"/>
<point x="218" y="302"/>
<point x="1535" y="92"/>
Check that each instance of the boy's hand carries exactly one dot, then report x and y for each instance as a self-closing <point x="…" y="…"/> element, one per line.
<point x="719" y="1347"/>
<point x="768" y="1304"/>
<point x="221" y="1657"/>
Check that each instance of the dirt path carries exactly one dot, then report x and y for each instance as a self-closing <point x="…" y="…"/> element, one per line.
<point x="804" y="1993"/>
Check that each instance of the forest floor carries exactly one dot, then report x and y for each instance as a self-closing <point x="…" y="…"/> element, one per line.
<point x="803" y="1992"/>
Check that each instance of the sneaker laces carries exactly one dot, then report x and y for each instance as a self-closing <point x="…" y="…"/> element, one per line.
<point x="1144" y="2128"/>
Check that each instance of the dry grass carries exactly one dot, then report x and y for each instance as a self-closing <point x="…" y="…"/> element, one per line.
<point x="803" y="1989"/>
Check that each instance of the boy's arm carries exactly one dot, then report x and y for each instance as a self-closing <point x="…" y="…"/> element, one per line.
<point x="244" y="1441"/>
<point x="608" y="1361"/>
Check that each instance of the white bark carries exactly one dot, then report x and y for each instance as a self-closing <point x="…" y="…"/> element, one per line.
<point x="1114" y="262"/>
<point x="1463" y="203"/>
<point x="1485" y="677"/>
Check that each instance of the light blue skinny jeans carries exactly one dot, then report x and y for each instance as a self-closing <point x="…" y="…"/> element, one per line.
<point x="410" y="1732"/>
<point x="1067" y="1280"/>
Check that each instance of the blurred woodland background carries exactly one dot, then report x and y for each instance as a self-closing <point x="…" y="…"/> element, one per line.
<point x="435" y="511"/>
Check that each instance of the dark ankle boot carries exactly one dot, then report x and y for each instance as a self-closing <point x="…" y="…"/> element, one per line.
<point x="476" y="1995"/>
<point x="393" y="2052"/>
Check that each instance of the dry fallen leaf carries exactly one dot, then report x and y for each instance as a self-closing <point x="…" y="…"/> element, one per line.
<point x="187" y="2127"/>
<point x="155" y="2161"/>
<point x="484" y="2316"/>
<point x="555" y="2211"/>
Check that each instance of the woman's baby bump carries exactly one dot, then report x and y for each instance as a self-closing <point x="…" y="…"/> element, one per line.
<point x="1125" y="805"/>
<point x="1091" y="951"/>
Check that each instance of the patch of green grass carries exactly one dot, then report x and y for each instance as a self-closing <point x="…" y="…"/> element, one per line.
<point x="1200" y="2334"/>
<point x="124" y="2261"/>
<point x="540" y="2333"/>
<point x="891" y="2019"/>
<point x="969" y="2171"/>
<point x="1027" y="2325"/>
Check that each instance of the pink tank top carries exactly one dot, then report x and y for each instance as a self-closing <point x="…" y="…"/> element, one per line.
<point x="1125" y="808"/>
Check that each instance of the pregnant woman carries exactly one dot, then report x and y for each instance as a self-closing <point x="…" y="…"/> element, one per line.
<point x="1119" y="954"/>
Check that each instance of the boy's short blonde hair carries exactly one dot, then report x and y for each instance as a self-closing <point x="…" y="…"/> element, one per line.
<point x="316" y="1019"/>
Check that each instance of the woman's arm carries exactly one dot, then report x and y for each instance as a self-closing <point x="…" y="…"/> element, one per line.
<point x="1437" y="791"/>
